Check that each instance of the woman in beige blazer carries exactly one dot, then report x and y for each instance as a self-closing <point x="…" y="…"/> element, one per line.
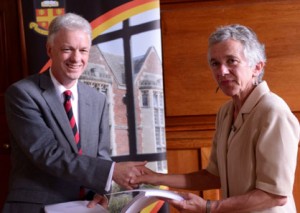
<point x="254" y="153"/>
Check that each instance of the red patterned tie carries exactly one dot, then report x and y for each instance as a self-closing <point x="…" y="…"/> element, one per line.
<point x="68" y="108"/>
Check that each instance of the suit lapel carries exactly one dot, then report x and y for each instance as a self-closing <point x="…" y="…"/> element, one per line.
<point x="57" y="108"/>
<point x="85" y="115"/>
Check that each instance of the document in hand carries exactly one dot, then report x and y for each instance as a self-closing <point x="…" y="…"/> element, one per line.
<point x="144" y="198"/>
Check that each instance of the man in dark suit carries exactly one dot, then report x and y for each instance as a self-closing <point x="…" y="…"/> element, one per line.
<point x="47" y="165"/>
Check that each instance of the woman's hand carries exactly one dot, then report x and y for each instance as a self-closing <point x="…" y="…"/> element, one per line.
<point x="147" y="176"/>
<point x="191" y="203"/>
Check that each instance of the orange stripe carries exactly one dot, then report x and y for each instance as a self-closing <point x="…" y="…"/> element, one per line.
<point x="157" y="207"/>
<point x="98" y="21"/>
<point x="118" y="18"/>
<point x="46" y="66"/>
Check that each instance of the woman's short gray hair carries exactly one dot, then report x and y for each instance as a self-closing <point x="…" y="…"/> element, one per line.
<point x="70" y="21"/>
<point x="254" y="51"/>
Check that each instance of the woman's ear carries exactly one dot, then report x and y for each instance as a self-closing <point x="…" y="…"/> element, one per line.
<point x="258" y="68"/>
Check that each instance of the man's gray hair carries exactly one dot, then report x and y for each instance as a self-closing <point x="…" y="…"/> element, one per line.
<point x="70" y="21"/>
<point x="254" y="51"/>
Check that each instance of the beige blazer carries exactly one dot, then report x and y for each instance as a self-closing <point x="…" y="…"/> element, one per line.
<point x="258" y="150"/>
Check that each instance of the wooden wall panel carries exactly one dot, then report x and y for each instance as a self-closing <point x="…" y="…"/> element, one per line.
<point x="183" y="161"/>
<point x="10" y="70"/>
<point x="208" y="194"/>
<point x="189" y="86"/>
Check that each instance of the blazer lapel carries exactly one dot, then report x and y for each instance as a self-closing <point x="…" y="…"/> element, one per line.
<point x="56" y="108"/>
<point x="223" y="147"/>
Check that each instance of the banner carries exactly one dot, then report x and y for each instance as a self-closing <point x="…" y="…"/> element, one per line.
<point x="125" y="63"/>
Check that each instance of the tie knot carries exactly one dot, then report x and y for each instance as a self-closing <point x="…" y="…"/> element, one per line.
<point x="68" y="94"/>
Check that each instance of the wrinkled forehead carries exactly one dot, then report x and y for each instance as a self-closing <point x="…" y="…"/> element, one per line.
<point x="225" y="48"/>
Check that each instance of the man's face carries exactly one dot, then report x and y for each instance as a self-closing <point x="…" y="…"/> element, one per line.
<point x="69" y="53"/>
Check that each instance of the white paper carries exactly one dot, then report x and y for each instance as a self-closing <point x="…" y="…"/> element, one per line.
<point x="153" y="193"/>
<point x="74" y="207"/>
<point x="147" y="197"/>
<point x="144" y="198"/>
<point x="161" y="194"/>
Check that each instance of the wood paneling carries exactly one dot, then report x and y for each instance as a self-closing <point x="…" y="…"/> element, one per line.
<point x="208" y="194"/>
<point x="189" y="86"/>
<point x="183" y="161"/>
<point x="10" y="71"/>
<point x="188" y="142"/>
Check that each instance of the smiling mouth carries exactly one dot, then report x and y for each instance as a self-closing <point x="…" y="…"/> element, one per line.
<point x="73" y="66"/>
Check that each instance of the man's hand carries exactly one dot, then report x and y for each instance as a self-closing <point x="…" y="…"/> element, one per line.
<point x="98" y="199"/>
<point x="125" y="171"/>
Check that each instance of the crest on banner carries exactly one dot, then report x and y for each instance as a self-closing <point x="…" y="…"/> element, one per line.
<point x="45" y="12"/>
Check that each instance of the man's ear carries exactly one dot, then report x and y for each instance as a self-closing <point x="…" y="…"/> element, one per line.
<point x="49" y="49"/>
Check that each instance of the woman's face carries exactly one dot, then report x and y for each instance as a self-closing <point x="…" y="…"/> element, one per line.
<point x="231" y="69"/>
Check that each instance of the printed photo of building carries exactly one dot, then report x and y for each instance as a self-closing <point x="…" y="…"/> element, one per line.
<point x="106" y="73"/>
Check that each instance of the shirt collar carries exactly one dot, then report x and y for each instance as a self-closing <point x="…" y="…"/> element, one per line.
<point x="259" y="91"/>
<point x="60" y="88"/>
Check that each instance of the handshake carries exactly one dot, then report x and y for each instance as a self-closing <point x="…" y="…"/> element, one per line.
<point x="128" y="175"/>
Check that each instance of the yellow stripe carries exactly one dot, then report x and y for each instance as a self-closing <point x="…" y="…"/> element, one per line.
<point x="151" y="206"/>
<point x="123" y="16"/>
